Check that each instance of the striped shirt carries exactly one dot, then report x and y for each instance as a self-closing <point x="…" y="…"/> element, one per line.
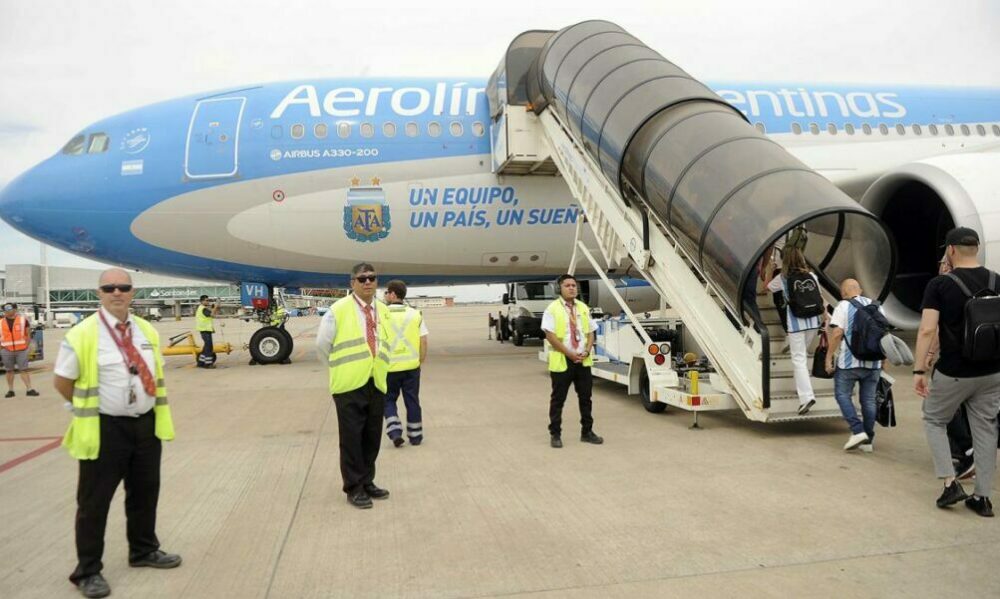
<point x="795" y="324"/>
<point x="843" y="317"/>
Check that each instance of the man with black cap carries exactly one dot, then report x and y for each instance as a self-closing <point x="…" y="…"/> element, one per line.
<point x="958" y="379"/>
<point x="15" y="334"/>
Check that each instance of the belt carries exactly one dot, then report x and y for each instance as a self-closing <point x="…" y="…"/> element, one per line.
<point x="136" y="417"/>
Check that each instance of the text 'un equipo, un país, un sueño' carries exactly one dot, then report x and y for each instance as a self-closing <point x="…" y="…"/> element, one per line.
<point x="461" y="207"/>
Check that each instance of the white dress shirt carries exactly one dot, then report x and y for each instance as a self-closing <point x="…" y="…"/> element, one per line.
<point x="549" y="324"/>
<point x="327" y="331"/>
<point x="114" y="380"/>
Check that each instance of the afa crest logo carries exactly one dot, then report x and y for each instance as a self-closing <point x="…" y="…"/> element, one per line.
<point x="366" y="213"/>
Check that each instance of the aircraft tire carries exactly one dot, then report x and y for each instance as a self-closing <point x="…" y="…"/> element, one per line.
<point x="517" y="337"/>
<point x="269" y="345"/>
<point x="654" y="407"/>
<point x="291" y="345"/>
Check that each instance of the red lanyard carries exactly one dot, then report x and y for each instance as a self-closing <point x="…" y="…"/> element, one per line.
<point x="120" y="343"/>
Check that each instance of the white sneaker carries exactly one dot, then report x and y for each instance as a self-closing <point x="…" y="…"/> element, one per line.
<point x="855" y="440"/>
<point x="868" y="447"/>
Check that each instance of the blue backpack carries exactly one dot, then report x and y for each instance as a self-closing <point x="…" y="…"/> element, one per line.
<point x="867" y="331"/>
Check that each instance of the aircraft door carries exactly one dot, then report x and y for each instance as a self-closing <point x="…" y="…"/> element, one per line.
<point x="212" y="149"/>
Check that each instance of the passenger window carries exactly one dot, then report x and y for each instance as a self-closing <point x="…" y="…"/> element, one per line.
<point x="456" y="129"/>
<point x="831" y="128"/>
<point x="796" y="129"/>
<point x="866" y="128"/>
<point x="389" y="129"/>
<point x="343" y="129"/>
<point x="412" y="129"/>
<point x="479" y="130"/>
<point x="933" y="129"/>
<point x="298" y="131"/>
<point x="367" y="130"/>
<point x="949" y="129"/>
<point x="883" y="129"/>
<point x="276" y="132"/>
<point x="814" y="128"/>
<point x="320" y="130"/>
<point x="901" y="129"/>
<point x="760" y="127"/>
<point x="980" y="130"/>
<point x="965" y="130"/>
<point x="917" y="130"/>
<point x="434" y="129"/>
<point x="98" y="143"/>
<point x="74" y="147"/>
<point x="849" y="129"/>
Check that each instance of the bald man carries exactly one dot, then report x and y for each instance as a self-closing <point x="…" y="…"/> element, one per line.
<point x="849" y="370"/>
<point x="110" y="367"/>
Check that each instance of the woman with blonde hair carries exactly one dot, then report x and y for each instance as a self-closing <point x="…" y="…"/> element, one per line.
<point x="805" y="315"/>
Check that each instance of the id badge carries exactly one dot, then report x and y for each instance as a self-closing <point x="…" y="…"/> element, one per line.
<point x="131" y="396"/>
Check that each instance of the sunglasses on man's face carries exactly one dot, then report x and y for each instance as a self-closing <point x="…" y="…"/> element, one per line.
<point x="366" y="278"/>
<point x="112" y="288"/>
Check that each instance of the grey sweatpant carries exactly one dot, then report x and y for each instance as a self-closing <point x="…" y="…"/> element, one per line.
<point x="981" y="396"/>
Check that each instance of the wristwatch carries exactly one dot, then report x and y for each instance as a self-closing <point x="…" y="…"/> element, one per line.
<point x="919" y="372"/>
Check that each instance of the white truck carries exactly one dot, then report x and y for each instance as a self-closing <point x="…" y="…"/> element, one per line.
<point x="526" y="301"/>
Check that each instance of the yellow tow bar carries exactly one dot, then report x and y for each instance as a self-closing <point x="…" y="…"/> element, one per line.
<point x="190" y="349"/>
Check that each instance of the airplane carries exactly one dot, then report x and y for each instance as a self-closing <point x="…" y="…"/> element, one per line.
<point x="289" y="184"/>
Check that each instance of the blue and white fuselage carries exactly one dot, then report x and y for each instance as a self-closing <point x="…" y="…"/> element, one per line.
<point x="292" y="183"/>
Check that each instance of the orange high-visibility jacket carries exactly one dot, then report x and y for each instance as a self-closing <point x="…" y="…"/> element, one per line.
<point x="17" y="339"/>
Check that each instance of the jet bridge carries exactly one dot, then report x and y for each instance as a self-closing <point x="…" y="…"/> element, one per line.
<point x="674" y="179"/>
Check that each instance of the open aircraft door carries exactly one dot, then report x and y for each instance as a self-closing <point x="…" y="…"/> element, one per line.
<point x="212" y="149"/>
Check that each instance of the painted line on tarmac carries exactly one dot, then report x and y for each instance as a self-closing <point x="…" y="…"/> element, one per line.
<point x="31" y="454"/>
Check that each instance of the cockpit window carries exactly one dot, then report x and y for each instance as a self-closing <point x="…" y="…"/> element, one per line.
<point x="98" y="143"/>
<point x="75" y="146"/>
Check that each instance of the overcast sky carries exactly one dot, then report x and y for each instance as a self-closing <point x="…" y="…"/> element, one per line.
<point x="67" y="63"/>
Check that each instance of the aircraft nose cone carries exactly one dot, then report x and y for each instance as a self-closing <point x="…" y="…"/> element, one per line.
<point x="12" y="202"/>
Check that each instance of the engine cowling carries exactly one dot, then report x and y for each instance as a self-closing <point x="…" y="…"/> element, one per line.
<point x="919" y="202"/>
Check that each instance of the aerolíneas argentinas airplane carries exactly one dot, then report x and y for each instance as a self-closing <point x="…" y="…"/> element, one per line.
<point x="290" y="184"/>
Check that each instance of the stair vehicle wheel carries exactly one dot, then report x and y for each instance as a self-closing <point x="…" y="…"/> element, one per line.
<point x="644" y="395"/>
<point x="505" y="327"/>
<point x="269" y="345"/>
<point x="517" y="337"/>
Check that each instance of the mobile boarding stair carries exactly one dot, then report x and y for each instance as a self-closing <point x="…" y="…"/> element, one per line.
<point x="677" y="184"/>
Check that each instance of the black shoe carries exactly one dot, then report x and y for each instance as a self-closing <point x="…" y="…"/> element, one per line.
<point x="398" y="441"/>
<point x="416" y="441"/>
<point x="965" y="468"/>
<point x="94" y="586"/>
<point x="591" y="437"/>
<point x="32" y="393"/>
<point x="359" y="499"/>
<point x="555" y="441"/>
<point x="804" y="408"/>
<point x="375" y="492"/>
<point x="9" y="394"/>
<point x="952" y="494"/>
<point x="156" y="559"/>
<point x="980" y="505"/>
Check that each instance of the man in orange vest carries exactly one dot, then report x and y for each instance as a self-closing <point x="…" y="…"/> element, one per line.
<point x="14" y="336"/>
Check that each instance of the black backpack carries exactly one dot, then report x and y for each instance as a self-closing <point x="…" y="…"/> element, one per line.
<point x="867" y="330"/>
<point x="804" y="299"/>
<point x="981" y="322"/>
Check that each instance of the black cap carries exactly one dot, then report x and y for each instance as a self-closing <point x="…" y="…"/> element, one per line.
<point x="961" y="236"/>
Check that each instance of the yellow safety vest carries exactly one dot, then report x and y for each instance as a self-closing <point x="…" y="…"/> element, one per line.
<point x="83" y="439"/>
<point x="351" y="362"/>
<point x="204" y="323"/>
<point x="557" y="359"/>
<point x="278" y="317"/>
<point x="404" y="337"/>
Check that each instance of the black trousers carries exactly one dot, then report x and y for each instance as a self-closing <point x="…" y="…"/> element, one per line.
<point x="579" y="376"/>
<point x="359" y="419"/>
<point x="131" y="452"/>
<point x="207" y="355"/>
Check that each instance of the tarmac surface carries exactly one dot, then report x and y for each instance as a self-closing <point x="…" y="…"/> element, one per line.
<point x="251" y="493"/>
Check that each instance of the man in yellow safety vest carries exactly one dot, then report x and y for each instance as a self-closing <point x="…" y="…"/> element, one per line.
<point x="570" y="336"/>
<point x="204" y="321"/>
<point x="111" y="368"/>
<point x="352" y="342"/>
<point x="407" y="351"/>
